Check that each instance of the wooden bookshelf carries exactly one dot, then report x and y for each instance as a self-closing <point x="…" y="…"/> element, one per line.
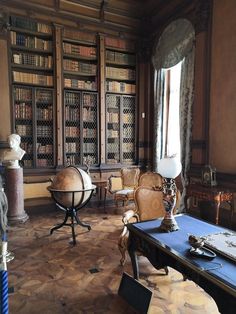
<point x="120" y="101"/>
<point x="81" y="126"/>
<point x="32" y="68"/>
<point x="85" y="69"/>
<point x="80" y="68"/>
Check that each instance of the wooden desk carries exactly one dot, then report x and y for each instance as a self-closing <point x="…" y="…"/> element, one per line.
<point x="217" y="277"/>
<point x="101" y="185"/>
<point x="216" y="194"/>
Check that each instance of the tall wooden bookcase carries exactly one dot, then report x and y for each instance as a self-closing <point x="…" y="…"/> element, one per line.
<point x="120" y="73"/>
<point x="80" y="72"/>
<point x="72" y="97"/>
<point x="33" y="94"/>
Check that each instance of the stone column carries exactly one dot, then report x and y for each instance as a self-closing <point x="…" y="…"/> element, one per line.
<point x="15" y="195"/>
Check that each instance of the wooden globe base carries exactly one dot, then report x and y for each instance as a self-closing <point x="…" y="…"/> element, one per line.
<point x="71" y="213"/>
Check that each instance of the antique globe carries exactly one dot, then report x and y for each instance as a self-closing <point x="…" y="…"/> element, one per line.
<point x="71" y="187"/>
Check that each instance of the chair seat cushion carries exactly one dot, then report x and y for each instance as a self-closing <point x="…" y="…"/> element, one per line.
<point x="124" y="192"/>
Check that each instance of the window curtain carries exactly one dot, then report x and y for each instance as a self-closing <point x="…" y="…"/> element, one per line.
<point x="174" y="45"/>
<point x="186" y="105"/>
<point x="158" y="114"/>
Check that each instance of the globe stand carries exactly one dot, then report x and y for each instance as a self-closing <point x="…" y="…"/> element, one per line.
<point x="71" y="212"/>
<point x="169" y="223"/>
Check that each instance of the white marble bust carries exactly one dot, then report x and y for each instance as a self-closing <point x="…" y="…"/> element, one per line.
<point x="15" y="153"/>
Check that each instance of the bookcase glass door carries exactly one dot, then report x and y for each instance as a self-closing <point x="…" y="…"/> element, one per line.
<point x="120" y="128"/>
<point x="44" y="127"/>
<point x="72" y="127"/>
<point x="23" y="118"/>
<point x="128" y="143"/>
<point x="113" y="104"/>
<point x="90" y="127"/>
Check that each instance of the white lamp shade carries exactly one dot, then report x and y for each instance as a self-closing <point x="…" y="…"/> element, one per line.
<point x="170" y="167"/>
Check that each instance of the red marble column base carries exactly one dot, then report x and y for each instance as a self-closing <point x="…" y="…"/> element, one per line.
<point x="15" y="195"/>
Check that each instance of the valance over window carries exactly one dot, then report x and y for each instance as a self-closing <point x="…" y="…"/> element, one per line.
<point x="174" y="44"/>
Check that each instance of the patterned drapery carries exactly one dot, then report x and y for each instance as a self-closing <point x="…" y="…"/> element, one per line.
<point x="158" y="112"/>
<point x="175" y="44"/>
<point x="186" y="105"/>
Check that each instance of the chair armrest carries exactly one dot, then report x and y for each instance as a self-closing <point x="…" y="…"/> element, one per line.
<point x="128" y="215"/>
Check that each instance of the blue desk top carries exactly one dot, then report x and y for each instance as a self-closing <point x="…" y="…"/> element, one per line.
<point x="220" y="267"/>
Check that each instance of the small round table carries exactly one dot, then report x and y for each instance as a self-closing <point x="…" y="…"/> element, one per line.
<point x="71" y="211"/>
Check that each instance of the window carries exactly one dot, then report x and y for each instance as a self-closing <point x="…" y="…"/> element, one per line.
<point x="170" y="118"/>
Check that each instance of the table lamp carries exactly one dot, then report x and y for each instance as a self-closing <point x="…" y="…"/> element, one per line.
<point x="169" y="168"/>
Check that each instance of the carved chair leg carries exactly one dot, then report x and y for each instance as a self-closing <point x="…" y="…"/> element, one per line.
<point x="123" y="245"/>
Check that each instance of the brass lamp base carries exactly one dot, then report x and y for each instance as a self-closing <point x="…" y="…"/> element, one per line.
<point x="169" y="224"/>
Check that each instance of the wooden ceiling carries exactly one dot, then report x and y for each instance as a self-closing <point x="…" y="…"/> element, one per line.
<point x="120" y="15"/>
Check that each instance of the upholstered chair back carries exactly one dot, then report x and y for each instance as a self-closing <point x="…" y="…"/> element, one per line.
<point x="130" y="177"/>
<point x="149" y="203"/>
<point x="150" y="179"/>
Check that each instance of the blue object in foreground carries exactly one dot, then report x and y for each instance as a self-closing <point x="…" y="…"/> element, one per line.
<point x="4" y="292"/>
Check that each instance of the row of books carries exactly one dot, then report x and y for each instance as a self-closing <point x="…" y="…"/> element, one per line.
<point x="31" y="42"/>
<point x="23" y="111"/>
<point x="72" y="160"/>
<point x="72" y="98"/>
<point x="44" y="162"/>
<point x="22" y="94"/>
<point x="119" y="43"/>
<point x="25" y="94"/>
<point x="89" y="100"/>
<point x="128" y="147"/>
<point x="71" y="147"/>
<point x="89" y="148"/>
<point x="33" y="60"/>
<point x="112" y="133"/>
<point x="32" y="78"/>
<point x="28" y="163"/>
<point x="89" y="115"/>
<point x="120" y="87"/>
<point x="72" y="114"/>
<point x="45" y="114"/>
<point x="77" y="66"/>
<point x="128" y="118"/>
<point x="128" y="132"/>
<point x="44" y="148"/>
<point x="30" y="25"/>
<point x="89" y="85"/>
<point x="113" y="102"/>
<point x="77" y="50"/>
<point x="121" y="58"/>
<point x="44" y="130"/>
<point x="112" y="117"/>
<point x="78" y="35"/>
<point x="89" y="133"/>
<point x="28" y="147"/>
<point x="113" y="147"/>
<point x="24" y="130"/>
<point x="43" y="96"/>
<point x="120" y="73"/>
<point x="71" y="131"/>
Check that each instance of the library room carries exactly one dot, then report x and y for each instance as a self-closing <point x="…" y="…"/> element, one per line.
<point x="117" y="156"/>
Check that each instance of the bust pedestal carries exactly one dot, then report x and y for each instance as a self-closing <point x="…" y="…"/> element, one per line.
<point x="15" y="195"/>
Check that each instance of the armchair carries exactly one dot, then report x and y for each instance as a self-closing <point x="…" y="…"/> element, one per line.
<point x="122" y="187"/>
<point x="150" y="179"/>
<point x="148" y="205"/>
